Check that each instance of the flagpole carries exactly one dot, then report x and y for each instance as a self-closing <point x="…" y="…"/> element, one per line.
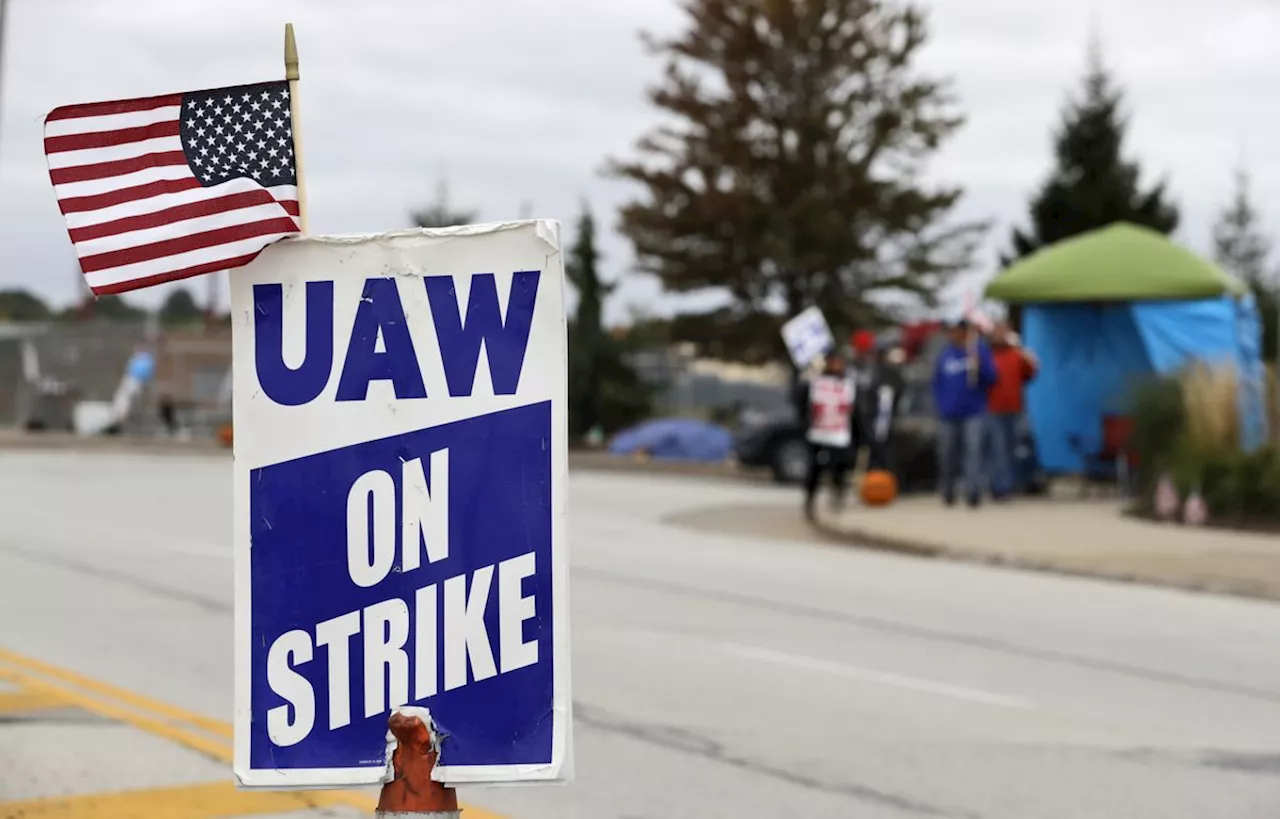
<point x="291" y="74"/>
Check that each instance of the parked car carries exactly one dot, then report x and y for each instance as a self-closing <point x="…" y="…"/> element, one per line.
<point x="779" y="445"/>
<point x="776" y="444"/>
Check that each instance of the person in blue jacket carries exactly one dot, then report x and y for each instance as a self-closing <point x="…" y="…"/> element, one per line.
<point x="962" y="374"/>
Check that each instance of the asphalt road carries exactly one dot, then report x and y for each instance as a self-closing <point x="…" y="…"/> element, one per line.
<point x="719" y="674"/>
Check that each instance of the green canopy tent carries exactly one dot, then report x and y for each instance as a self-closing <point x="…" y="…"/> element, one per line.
<point x="1113" y="305"/>
<point x="1122" y="262"/>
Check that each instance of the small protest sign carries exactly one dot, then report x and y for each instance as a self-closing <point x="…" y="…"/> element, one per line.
<point x="807" y="336"/>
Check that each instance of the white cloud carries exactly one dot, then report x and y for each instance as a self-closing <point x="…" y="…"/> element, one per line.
<point x="516" y="100"/>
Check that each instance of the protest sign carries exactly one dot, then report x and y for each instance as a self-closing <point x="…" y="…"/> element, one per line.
<point x="807" y="336"/>
<point x="400" y="477"/>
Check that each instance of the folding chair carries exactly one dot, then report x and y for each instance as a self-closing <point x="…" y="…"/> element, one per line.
<point x="1114" y="461"/>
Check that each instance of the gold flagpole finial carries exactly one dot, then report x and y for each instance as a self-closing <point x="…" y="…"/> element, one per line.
<point x="291" y="74"/>
<point x="290" y="54"/>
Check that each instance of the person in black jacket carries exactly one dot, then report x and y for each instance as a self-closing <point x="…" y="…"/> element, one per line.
<point x="886" y="385"/>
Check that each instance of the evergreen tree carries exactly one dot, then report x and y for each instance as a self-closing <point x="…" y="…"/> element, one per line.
<point x="107" y="308"/>
<point x="180" y="308"/>
<point x="22" y="305"/>
<point x="1092" y="185"/>
<point x="1238" y="245"/>
<point x="604" y="389"/>
<point x="1242" y="249"/>
<point x="439" y="213"/>
<point x="790" y="170"/>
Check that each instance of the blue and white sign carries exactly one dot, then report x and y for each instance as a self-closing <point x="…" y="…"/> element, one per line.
<point x="400" y="477"/>
<point x="807" y="336"/>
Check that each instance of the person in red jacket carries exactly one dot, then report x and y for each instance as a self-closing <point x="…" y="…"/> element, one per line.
<point x="1016" y="366"/>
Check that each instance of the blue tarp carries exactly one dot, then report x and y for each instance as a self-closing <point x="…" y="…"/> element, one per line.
<point x="1253" y="394"/>
<point x="1093" y="355"/>
<point x="675" y="438"/>
<point x="1175" y="331"/>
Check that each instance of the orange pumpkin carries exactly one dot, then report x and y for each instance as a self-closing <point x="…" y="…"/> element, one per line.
<point x="879" y="488"/>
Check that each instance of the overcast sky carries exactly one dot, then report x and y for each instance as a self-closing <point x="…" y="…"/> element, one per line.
<point x="515" y="100"/>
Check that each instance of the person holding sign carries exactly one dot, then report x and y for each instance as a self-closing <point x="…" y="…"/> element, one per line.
<point x="829" y="408"/>
<point x="962" y="374"/>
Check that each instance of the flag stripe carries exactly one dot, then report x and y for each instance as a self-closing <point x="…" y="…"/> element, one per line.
<point x="110" y="122"/>
<point x="106" y="139"/>
<point x="103" y="200"/>
<point x="93" y="187"/>
<point x="116" y="167"/>
<point x="77" y="159"/>
<point x="151" y="204"/>
<point x="217" y="256"/>
<point x="173" y="275"/>
<point x="177" y="213"/>
<point x="192" y="226"/>
<point x="94" y="109"/>
<point x="185" y="243"/>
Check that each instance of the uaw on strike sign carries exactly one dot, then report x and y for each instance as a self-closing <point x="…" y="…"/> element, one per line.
<point x="400" y="470"/>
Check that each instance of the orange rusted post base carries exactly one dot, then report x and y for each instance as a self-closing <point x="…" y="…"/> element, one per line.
<point x="413" y="792"/>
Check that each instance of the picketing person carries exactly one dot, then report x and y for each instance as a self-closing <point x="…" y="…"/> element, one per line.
<point x="883" y="394"/>
<point x="828" y="402"/>
<point x="1016" y="367"/>
<point x="963" y="374"/>
<point x="978" y="386"/>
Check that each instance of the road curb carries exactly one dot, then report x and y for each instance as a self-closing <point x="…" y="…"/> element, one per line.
<point x="865" y="539"/>
<point x="603" y="462"/>
<point x="52" y="442"/>
<point x="578" y="459"/>
<point x="1228" y="588"/>
<point x="876" y="541"/>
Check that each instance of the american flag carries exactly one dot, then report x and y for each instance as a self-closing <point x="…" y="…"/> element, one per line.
<point x="165" y="188"/>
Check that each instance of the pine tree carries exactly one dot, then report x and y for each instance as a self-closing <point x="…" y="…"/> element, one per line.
<point x="107" y="308"/>
<point x="604" y="389"/>
<point x="17" y="304"/>
<point x="439" y="214"/>
<point x="1242" y="249"/>
<point x="790" y="170"/>
<point x="180" y="308"/>
<point x="1237" y="243"/>
<point x="1092" y="185"/>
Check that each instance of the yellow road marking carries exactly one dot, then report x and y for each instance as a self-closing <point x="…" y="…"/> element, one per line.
<point x="213" y="726"/>
<point x="24" y="702"/>
<point x="184" y="802"/>
<point x="205" y="745"/>
<point x="140" y="716"/>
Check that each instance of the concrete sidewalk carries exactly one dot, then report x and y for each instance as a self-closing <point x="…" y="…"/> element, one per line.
<point x="1085" y="537"/>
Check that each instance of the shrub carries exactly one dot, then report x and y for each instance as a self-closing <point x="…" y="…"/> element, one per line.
<point x="1189" y="428"/>
<point x="1210" y="396"/>
<point x="1273" y="404"/>
<point x="1159" y="417"/>
<point x="1242" y="487"/>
